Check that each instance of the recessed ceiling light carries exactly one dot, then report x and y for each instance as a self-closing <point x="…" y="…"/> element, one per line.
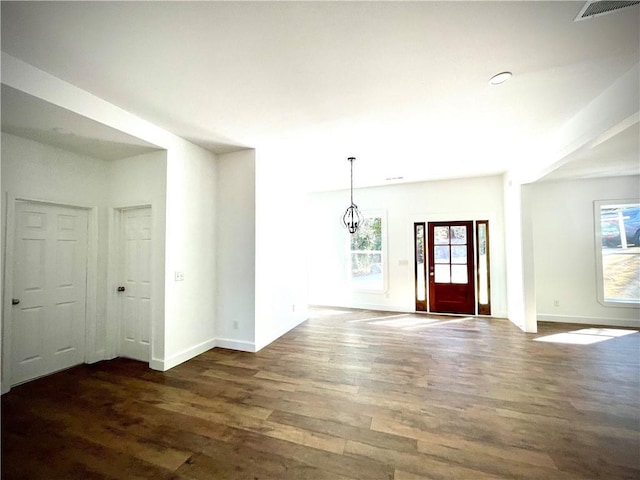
<point x="500" y="78"/>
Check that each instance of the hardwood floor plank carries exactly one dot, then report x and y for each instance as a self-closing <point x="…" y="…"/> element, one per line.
<point x="334" y="464"/>
<point x="266" y="428"/>
<point x="402" y="475"/>
<point x="441" y="444"/>
<point x="502" y="461"/>
<point x="113" y="436"/>
<point x="351" y="396"/>
<point x="329" y="385"/>
<point x="420" y="464"/>
<point x="248" y="464"/>
<point x="68" y="457"/>
<point x="321" y="412"/>
<point x="345" y="431"/>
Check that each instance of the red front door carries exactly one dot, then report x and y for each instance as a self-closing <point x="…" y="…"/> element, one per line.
<point x="451" y="268"/>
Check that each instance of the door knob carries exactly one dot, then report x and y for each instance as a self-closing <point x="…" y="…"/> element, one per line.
<point x="121" y="289"/>
<point x="15" y="301"/>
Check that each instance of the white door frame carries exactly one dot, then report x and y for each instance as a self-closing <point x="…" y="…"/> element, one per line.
<point x="92" y="354"/>
<point x="113" y="279"/>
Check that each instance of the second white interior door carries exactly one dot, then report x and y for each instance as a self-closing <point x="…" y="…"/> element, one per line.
<point x="135" y="279"/>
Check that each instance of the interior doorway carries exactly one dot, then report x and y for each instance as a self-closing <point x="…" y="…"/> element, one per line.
<point x="134" y="284"/>
<point x="48" y="288"/>
<point x="452" y="267"/>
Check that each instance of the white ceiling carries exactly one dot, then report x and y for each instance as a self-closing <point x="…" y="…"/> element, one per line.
<point x="617" y="156"/>
<point x="29" y="117"/>
<point x="400" y="85"/>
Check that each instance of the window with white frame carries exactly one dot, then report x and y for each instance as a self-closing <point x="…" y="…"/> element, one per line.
<point x="617" y="233"/>
<point x="367" y="255"/>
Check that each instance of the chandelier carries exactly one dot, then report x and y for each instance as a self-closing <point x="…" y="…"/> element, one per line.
<point x="352" y="217"/>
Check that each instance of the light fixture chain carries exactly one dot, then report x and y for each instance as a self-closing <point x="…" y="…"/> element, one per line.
<point x="351" y="162"/>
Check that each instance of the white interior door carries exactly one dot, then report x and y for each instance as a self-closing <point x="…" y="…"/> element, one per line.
<point x="48" y="313"/>
<point x="134" y="290"/>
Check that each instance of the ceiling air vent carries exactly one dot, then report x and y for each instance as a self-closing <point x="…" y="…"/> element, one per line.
<point x="596" y="8"/>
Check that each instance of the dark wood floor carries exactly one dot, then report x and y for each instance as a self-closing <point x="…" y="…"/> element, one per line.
<point x="343" y="396"/>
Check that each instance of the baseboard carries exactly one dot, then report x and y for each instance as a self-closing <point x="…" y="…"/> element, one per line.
<point x="96" y="357"/>
<point x="373" y="306"/>
<point x="181" y="357"/>
<point x="610" y="322"/>
<point x="253" y="347"/>
<point x="236" y="345"/>
<point x="395" y="309"/>
<point x="286" y="328"/>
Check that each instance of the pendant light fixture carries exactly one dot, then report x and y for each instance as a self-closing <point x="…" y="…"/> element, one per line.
<point x="352" y="217"/>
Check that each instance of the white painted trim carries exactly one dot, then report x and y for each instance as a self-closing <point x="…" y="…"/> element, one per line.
<point x="112" y="327"/>
<point x="612" y="322"/>
<point x="275" y="335"/>
<point x="399" y="309"/>
<point x="240" y="345"/>
<point x="380" y="308"/>
<point x="7" y="292"/>
<point x="181" y="357"/>
<point x="90" y="355"/>
<point x="597" y="218"/>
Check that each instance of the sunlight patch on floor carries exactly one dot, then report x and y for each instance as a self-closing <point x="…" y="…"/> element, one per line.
<point x="408" y="321"/>
<point x="405" y="322"/>
<point x="585" y="336"/>
<point x="370" y="320"/>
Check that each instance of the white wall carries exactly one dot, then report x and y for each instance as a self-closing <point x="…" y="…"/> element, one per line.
<point x="519" y="253"/>
<point x="565" y="249"/>
<point x="190" y="306"/>
<point x="235" y="250"/>
<point x="282" y="236"/>
<point x="461" y="199"/>
<point x="138" y="181"/>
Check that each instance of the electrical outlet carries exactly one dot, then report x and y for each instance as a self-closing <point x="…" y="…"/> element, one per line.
<point x="556" y="303"/>
<point x="235" y="324"/>
<point x="179" y="276"/>
<point x="293" y="308"/>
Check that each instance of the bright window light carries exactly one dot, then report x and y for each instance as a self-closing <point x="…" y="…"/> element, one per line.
<point x="607" y="332"/>
<point x="617" y="240"/>
<point x="573" y="338"/>
<point x="585" y="336"/>
<point x="367" y="251"/>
